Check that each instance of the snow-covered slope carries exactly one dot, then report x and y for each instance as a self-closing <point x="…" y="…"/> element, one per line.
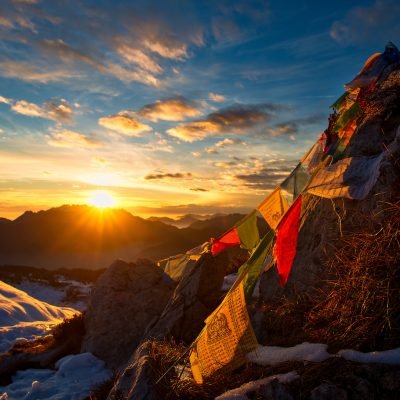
<point x="73" y="379"/>
<point x="24" y="317"/>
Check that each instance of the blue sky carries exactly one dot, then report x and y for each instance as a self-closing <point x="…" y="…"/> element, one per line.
<point x="171" y="106"/>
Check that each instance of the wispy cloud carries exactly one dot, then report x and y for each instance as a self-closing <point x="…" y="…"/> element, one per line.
<point x="218" y="98"/>
<point x="376" y="23"/>
<point x="229" y="142"/>
<point x="172" y="109"/>
<point x="124" y="124"/>
<point x="234" y="119"/>
<point x="56" y="109"/>
<point x="177" y="175"/>
<point x="70" y="139"/>
<point x="26" y="71"/>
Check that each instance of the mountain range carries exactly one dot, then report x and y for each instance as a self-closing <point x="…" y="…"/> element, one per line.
<point x="79" y="236"/>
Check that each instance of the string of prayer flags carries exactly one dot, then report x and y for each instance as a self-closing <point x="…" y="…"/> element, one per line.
<point x="352" y="177"/>
<point x="255" y="265"/>
<point x="374" y="67"/>
<point x="226" y="339"/>
<point x="286" y="240"/>
<point x="273" y="208"/>
<point x="312" y="159"/>
<point x="244" y="233"/>
<point x="176" y="266"/>
<point x="350" y="114"/>
<point x="341" y="102"/>
<point x="295" y="183"/>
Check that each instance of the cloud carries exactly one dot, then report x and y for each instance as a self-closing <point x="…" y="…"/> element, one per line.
<point x="216" y="97"/>
<point x="56" y="109"/>
<point x="266" y="175"/>
<point x="238" y="118"/>
<point x="167" y="49"/>
<point x="138" y="57"/>
<point x="172" y="109"/>
<point x="228" y="142"/>
<point x="294" y="126"/>
<point x="70" y="139"/>
<point x="177" y="175"/>
<point x="5" y="100"/>
<point x="196" y="154"/>
<point x="371" y="24"/>
<point x="61" y="50"/>
<point x="34" y="73"/>
<point x="210" y="150"/>
<point x="124" y="124"/>
<point x="199" y="190"/>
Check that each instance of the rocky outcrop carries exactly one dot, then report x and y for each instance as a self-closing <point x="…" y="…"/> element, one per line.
<point x="125" y="299"/>
<point x="196" y="296"/>
<point x="136" y="382"/>
<point x="324" y="220"/>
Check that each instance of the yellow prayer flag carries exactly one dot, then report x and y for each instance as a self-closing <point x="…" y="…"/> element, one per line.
<point x="273" y="208"/>
<point x="226" y="339"/>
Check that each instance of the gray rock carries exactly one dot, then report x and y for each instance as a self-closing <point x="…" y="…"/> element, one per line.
<point x="125" y="299"/>
<point x="196" y="296"/>
<point x="136" y="382"/>
<point x="328" y="391"/>
<point x="274" y="390"/>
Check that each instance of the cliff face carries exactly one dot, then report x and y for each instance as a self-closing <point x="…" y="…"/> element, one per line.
<point x="325" y="220"/>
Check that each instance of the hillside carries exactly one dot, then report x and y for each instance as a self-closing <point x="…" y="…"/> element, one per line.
<point x="85" y="237"/>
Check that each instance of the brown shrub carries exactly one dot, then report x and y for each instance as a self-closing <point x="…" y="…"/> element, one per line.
<point x="361" y="307"/>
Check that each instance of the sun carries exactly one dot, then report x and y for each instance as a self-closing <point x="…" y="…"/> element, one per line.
<point x="102" y="199"/>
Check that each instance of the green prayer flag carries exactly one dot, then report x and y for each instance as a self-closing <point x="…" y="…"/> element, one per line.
<point x="248" y="231"/>
<point x="338" y="104"/>
<point x="295" y="183"/>
<point x="353" y="112"/>
<point x="253" y="267"/>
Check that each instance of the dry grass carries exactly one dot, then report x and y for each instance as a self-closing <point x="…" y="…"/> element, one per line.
<point x="361" y="307"/>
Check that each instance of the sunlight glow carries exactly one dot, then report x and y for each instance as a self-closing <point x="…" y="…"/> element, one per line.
<point x="102" y="199"/>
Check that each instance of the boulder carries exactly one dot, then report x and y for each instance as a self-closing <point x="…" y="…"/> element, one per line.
<point x="125" y="299"/>
<point x="136" y="382"/>
<point x="196" y="296"/>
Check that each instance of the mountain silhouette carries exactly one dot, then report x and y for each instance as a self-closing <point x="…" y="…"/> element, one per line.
<point x="79" y="236"/>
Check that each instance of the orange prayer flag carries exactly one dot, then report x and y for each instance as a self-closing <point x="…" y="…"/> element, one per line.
<point x="273" y="208"/>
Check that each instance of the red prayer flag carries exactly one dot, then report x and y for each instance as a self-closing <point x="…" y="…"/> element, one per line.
<point x="230" y="239"/>
<point x="286" y="240"/>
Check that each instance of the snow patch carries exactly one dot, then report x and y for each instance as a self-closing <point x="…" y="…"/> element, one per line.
<point x="74" y="377"/>
<point x="240" y="392"/>
<point x="385" y="357"/>
<point x="270" y="355"/>
<point x="22" y="316"/>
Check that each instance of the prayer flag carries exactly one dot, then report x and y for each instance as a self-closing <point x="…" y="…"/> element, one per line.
<point x="231" y="238"/>
<point x="244" y="233"/>
<point x="248" y="231"/>
<point x="295" y="183"/>
<point x="352" y="177"/>
<point x="254" y="266"/>
<point x="312" y="159"/>
<point x="350" y="114"/>
<point x="226" y="339"/>
<point x="273" y="208"/>
<point x="286" y="240"/>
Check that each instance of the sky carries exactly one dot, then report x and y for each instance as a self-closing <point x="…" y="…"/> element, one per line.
<point x="171" y="107"/>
